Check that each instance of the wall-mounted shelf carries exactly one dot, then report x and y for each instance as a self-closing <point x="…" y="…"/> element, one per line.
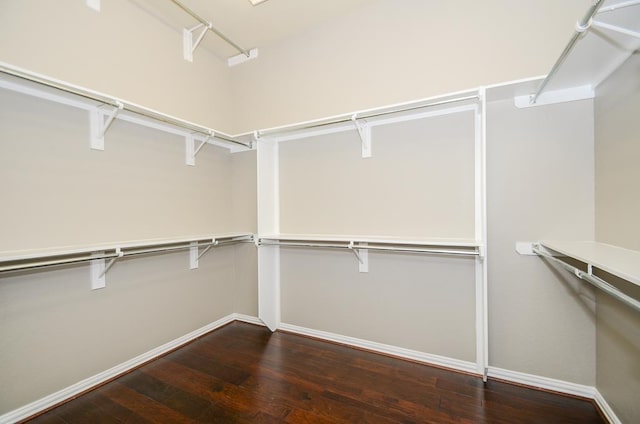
<point x="593" y="261"/>
<point x="361" y="245"/>
<point x="98" y="254"/>
<point x="104" y="109"/>
<point x="623" y="263"/>
<point x="603" y="40"/>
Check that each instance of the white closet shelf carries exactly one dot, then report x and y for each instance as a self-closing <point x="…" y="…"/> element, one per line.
<point x="33" y="258"/>
<point x="107" y="108"/>
<point x="603" y="40"/>
<point x="623" y="263"/>
<point x="373" y="239"/>
<point x="405" y="244"/>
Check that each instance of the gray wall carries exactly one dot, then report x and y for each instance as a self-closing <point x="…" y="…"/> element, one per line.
<point x="539" y="187"/>
<point x="57" y="192"/>
<point x="617" y="211"/>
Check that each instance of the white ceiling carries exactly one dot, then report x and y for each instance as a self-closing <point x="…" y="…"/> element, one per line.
<point x="246" y="25"/>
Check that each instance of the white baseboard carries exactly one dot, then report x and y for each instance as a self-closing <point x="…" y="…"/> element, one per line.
<point x="84" y="385"/>
<point x="248" y="319"/>
<point x="560" y="386"/>
<point x="605" y="408"/>
<point x="546" y="383"/>
<point x="414" y="355"/>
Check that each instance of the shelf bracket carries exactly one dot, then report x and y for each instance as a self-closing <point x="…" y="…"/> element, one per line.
<point x="188" y="43"/>
<point x="99" y="126"/>
<point x="191" y="150"/>
<point x="195" y="254"/>
<point x="615" y="28"/>
<point x="364" y="130"/>
<point x="99" y="271"/>
<point x="362" y="255"/>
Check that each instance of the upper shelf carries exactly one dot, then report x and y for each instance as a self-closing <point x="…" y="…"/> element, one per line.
<point x="622" y="263"/>
<point x="107" y="108"/>
<point x="602" y="42"/>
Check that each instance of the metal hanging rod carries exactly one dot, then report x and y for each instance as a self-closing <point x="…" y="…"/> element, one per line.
<point x="365" y="115"/>
<point x="581" y="27"/>
<point x="116" y="103"/>
<point x="592" y="279"/>
<point x="210" y="27"/>
<point x="354" y="245"/>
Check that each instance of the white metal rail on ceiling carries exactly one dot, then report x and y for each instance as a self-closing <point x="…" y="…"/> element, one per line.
<point x="40" y="86"/>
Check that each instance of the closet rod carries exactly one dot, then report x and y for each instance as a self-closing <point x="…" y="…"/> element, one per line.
<point x="209" y="26"/>
<point x="592" y="279"/>
<point x="133" y="251"/>
<point x="138" y="110"/>
<point x="364" y="115"/>
<point x="372" y="247"/>
<point x="581" y="27"/>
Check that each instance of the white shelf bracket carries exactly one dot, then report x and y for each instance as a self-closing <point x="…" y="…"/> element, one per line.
<point x="191" y="151"/>
<point x="99" y="126"/>
<point x="188" y="43"/>
<point x="362" y="255"/>
<point x="616" y="28"/>
<point x="195" y="254"/>
<point x="99" y="270"/>
<point x="364" y="130"/>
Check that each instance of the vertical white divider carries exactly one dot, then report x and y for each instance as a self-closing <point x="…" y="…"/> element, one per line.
<point x="96" y="270"/>
<point x="482" y="328"/>
<point x="268" y="224"/>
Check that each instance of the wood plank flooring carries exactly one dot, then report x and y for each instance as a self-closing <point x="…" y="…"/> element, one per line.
<point x="242" y="373"/>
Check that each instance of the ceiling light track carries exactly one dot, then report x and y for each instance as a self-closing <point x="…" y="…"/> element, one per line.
<point x="190" y="45"/>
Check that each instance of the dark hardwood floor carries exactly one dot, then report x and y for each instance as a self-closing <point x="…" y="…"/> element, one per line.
<point x="242" y="373"/>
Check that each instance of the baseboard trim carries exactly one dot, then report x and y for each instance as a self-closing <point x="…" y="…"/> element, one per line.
<point x="91" y="382"/>
<point x="604" y="407"/>
<point x="546" y="383"/>
<point x="248" y="319"/>
<point x="414" y="355"/>
<point x="559" y="386"/>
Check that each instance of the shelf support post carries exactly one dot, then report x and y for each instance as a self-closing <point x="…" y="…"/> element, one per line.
<point x="364" y="131"/>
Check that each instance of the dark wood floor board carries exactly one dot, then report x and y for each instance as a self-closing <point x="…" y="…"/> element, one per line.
<point x="243" y="373"/>
<point x="230" y="396"/>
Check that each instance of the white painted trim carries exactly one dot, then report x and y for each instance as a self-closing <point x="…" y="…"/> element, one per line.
<point x="559" y="386"/>
<point x="53" y="399"/>
<point x="414" y="355"/>
<point x="547" y="383"/>
<point x="248" y="319"/>
<point x="605" y="408"/>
